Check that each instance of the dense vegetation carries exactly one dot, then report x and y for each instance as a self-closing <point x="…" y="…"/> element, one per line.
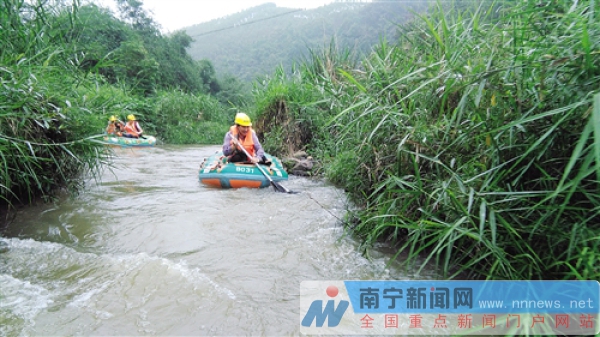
<point x="255" y="41"/>
<point x="66" y="67"/>
<point x="472" y="140"/>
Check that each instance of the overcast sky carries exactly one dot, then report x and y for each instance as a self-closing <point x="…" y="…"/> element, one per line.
<point x="176" y="14"/>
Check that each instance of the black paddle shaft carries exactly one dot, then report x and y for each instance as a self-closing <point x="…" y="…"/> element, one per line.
<point x="275" y="185"/>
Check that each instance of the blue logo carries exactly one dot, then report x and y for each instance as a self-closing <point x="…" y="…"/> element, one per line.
<point x="317" y="313"/>
<point x="436" y="307"/>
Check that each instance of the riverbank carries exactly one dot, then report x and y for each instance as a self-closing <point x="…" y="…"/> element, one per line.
<point x="469" y="140"/>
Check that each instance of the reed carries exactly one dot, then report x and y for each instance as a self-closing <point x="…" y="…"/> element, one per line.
<point x="480" y="147"/>
<point x="292" y="109"/>
<point x="47" y="128"/>
<point x="472" y="140"/>
<point x="182" y="118"/>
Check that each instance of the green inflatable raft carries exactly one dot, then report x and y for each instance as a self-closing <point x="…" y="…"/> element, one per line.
<point x="215" y="171"/>
<point x="124" y="141"/>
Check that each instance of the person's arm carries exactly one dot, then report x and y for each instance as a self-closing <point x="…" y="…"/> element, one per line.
<point x="227" y="147"/>
<point x="139" y="128"/>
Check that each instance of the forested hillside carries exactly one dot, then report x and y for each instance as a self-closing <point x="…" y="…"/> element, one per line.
<point x="256" y="41"/>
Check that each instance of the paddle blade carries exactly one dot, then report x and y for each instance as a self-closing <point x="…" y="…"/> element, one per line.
<point x="280" y="188"/>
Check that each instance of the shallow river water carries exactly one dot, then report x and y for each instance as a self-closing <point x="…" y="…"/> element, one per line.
<point x="148" y="250"/>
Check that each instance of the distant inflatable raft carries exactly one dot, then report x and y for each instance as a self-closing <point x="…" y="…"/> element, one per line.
<point x="124" y="141"/>
<point x="215" y="171"/>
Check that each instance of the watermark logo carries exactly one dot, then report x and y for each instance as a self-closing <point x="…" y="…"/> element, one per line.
<point x="317" y="313"/>
<point x="450" y="307"/>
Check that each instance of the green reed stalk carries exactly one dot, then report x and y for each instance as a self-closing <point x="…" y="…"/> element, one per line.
<point x="471" y="142"/>
<point x="46" y="126"/>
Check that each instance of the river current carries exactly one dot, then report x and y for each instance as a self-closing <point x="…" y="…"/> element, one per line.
<point x="147" y="250"/>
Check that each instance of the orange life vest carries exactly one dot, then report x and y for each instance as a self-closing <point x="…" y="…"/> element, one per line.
<point x="113" y="129"/>
<point x="132" y="128"/>
<point x="247" y="143"/>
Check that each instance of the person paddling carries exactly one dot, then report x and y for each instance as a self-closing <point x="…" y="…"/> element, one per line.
<point x="241" y="134"/>
<point x="133" y="128"/>
<point x="115" y="126"/>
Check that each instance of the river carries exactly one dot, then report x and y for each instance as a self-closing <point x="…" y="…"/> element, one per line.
<point x="147" y="250"/>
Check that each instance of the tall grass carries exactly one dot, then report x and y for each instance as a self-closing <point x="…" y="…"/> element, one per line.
<point x="182" y="118"/>
<point x="479" y="149"/>
<point x="40" y="135"/>
<point x="47" y="122"/>
<point x="472" y="140"/>
<point x="292" y="109"/>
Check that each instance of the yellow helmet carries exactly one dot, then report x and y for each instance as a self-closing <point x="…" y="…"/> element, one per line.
<point x="242" y="119"/>
<point x="130" y="117"/>
<point x="112" y="118"/>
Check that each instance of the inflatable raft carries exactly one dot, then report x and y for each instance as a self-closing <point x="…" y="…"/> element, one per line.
<point x="124" y="141"/>
<point x="215" y="171"/>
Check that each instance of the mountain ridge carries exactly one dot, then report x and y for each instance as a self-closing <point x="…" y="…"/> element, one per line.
<point x="254" y="42"/>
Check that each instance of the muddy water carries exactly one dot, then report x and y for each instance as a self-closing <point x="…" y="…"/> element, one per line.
<point x="148" y="250"/>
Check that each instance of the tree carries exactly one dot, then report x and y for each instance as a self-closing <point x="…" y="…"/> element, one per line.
<point x="208" y="76"/>
<point x="137" y="67"/>
<point x="134" y="14"/>
<point x="94" y="34"/>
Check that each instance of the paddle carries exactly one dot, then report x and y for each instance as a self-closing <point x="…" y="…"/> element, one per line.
<point x="275" y="185"/>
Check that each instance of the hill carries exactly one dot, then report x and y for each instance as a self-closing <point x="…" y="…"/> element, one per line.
<point x="254" y="42"/>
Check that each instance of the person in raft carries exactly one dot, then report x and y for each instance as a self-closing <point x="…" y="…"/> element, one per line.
<point x="115" y="126"/>
<point x="132" y="128"/>
<point x="243" y="133"/>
